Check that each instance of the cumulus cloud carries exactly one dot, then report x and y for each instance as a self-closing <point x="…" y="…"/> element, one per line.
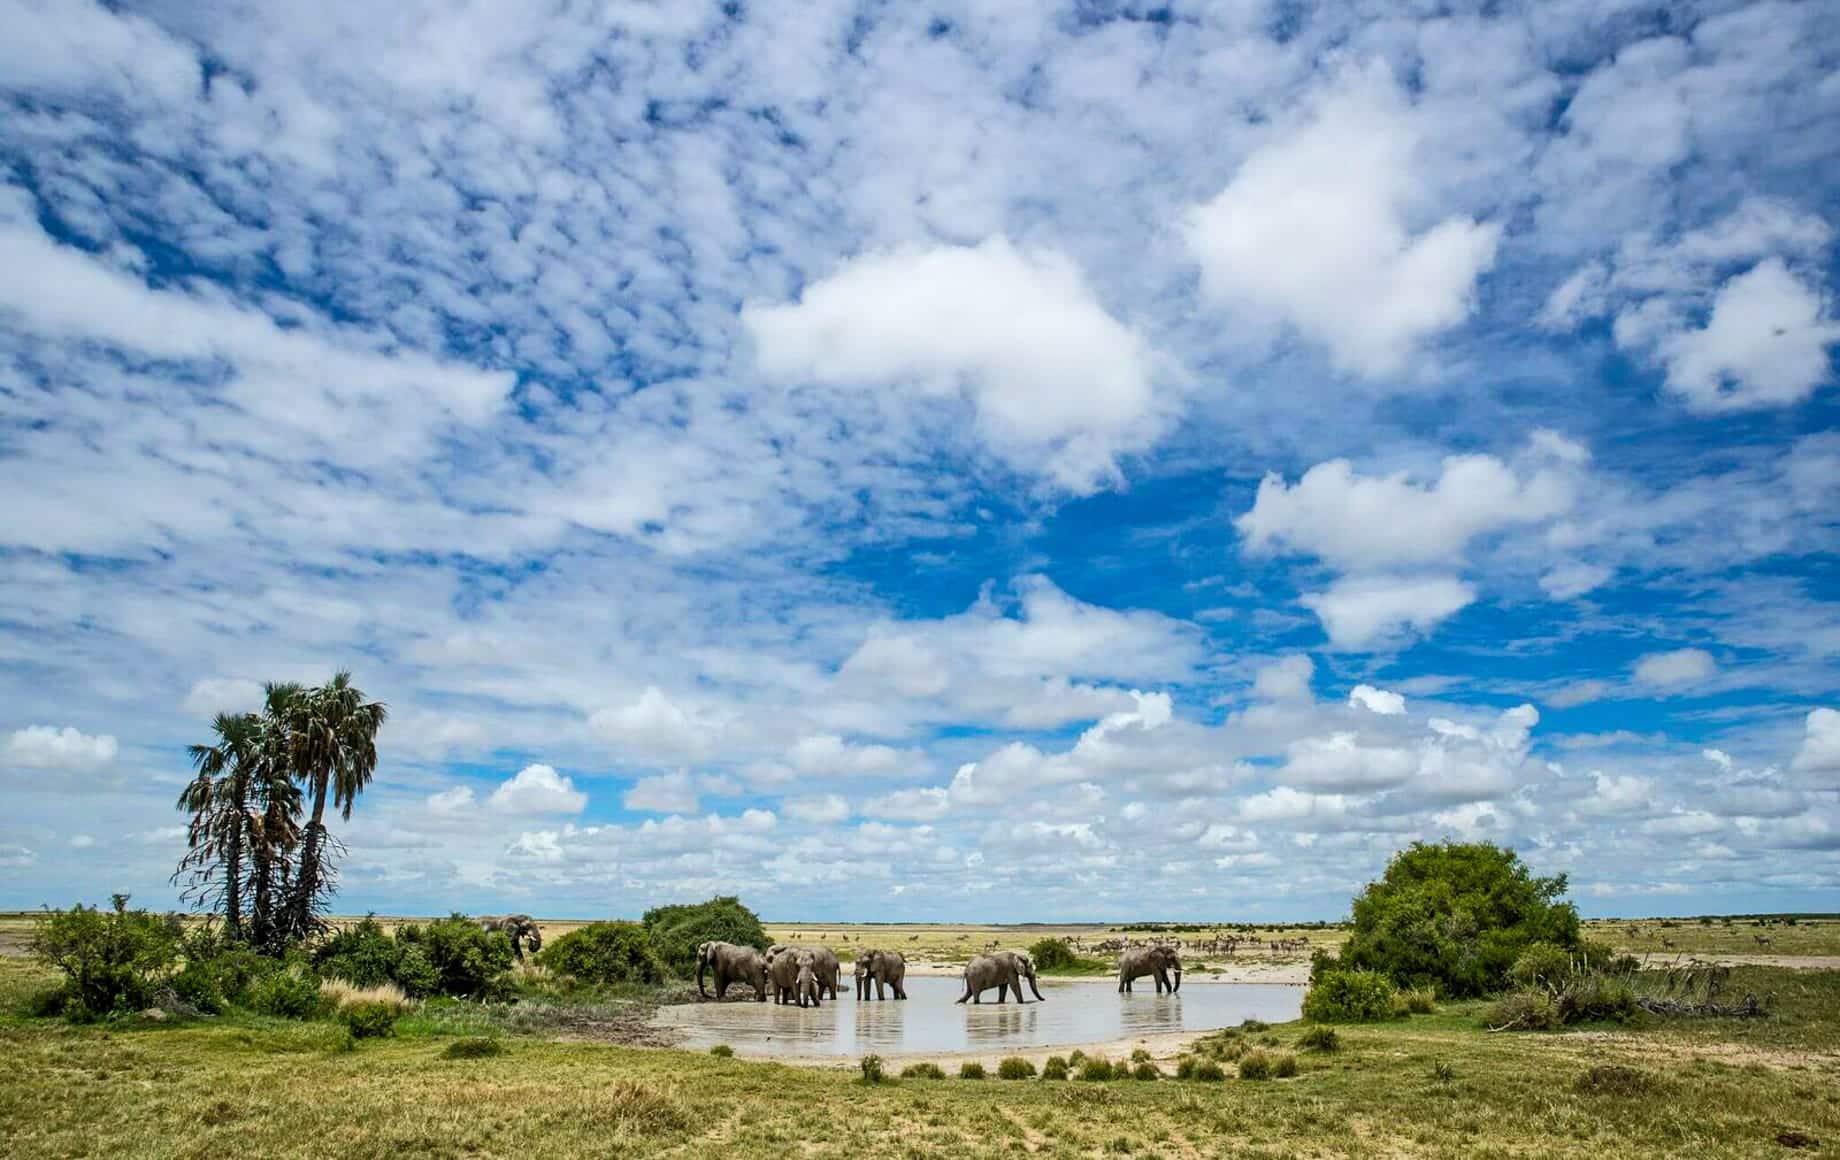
<point x="537" y="789"/>
<point x="1285" y="679"/>
<point x="1366" y="612"/>
<point x="827" y="755"/>
<point x="48" y="747"/>
<point x="1671" y="670"/>
<point x="824" y="810"/>
<point x="1318" y="228"/>
<point x="664" y="793"/>
<point x="656" y="727"/>
<point x="213" y="695"/>
<point x="1820" y="748"/>
<point x="1058" y="384"/>
<point x="926" y="804"/>
<point x="1379" y="701"/>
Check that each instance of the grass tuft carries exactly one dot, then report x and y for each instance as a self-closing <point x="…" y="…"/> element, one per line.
<point x="473" y="1047"/>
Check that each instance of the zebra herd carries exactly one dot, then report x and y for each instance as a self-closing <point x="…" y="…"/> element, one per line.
<point x="1228" y="945"/>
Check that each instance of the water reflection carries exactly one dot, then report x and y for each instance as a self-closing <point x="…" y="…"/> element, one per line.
<point x="929" y="1021"/>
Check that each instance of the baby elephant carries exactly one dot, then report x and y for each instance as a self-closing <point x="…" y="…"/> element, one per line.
<point x="886" y="969"/>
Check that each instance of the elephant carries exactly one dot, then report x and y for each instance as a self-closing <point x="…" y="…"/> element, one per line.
<point x="824" y="964"/>
<point x="886" y="969"/>
<point x="731" y="964"/>
<point x="518" y="927"/>
<point x="1136" y="962"/>
<point x="1003" y="970"/>
<point x="793" y="975"/>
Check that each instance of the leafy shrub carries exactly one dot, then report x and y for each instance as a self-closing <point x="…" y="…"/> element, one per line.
<point x="1541" y="964"/>
<point x="1076" y="1058"/>
<point x="1285" y="1066"/>
<point x="1418" y="1001"/>
<point x="1140" y="1056"/>
<point x="1052" y="953"/>
<point x="1055" y="1068"/>
<point x="473" y="1047"/>
<point x="363" y="953"/>
<point x="466" y="962"/>
<point x="1144" y="1069"/>
<point x="605" y="952"/>
<point x="1320" y="1038"/>
<point x="971" y="1069"/>
<point x="1255" y="1065"/>
<point x="113" y="961"/>
<point x="722" y="1051"/>
<point x="871" y="1068"/>
<point x="1349" y="997"/>
<point x="416" y="974"/>
<point x="371" y="1020"/>
<point x="219" y="978"/>
<point x="1525" y="1011"/>
<point x="1612" y="1079"/>
<point x="1016" y="1067"/>
<point x="1596" y="998"/>
<point x="1205" y="1070"/>
<point x="1096" y="1068"/>
<point x="289" y="994"/>
<point x="1322" y="962"/>
<point x="676" y="931"/>
<point x="922" y="1071"/>
<point x="1456" y="916"/>
<point x="1253" y="1026"/>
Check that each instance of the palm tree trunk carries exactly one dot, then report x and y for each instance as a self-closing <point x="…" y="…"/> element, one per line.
<point x="312" y="849"/>
<point x="233" y="857"/>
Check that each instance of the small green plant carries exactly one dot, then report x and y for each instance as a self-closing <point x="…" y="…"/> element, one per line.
<point x="1140" y="1056"/>
<point x="1541" y="964"/>
<point x="1076" y="1058"/>
<point x="1197" y="1068"/>
<point x="290" y="994"/>
<point x="1418" y="1001"/>
<point x="1320" y="1038"/>
<point x="1442" y="1072"/>
<point x="971" y="1069"/>
<point x="1612" y="1079"/>
<point x="1015" y="1067"/>
<point x="1254" y="1026"/>
<point x="722" y="1051"/>
<point x="1349" y="997"/>
<point x="371" y="1020"/>
<point x="1285" y="1066"/>
<point x="473" y="1047"/>
<point x="1055" y="1068"/>
<point x="872" y="1069"/>
<point x="1096" y="1068"/>
<point x="1255" y="1065"/>
<point x="1144" y="1069"/>
<point x="922" y="1071"/>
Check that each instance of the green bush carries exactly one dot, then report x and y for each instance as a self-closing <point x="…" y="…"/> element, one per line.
<point x="1253" y="1026"/>
<point x="971" y="1069"/>
<point x="113" y="961"/>
<point x="288" y="994"/>
<point x="871" y="1069"/>
<point x="1525" y="1011"/>
<point x="215" y="979"/>
<point x="676" y="931"/>
<point x="1015" y="1067"/>
<point x="370" y="1020"/>
<point x="1349" y="997"/>
<point x="463" y="961"/>
<point x="1076" y="1058"/>
<point x="473" y="1047"/>
<point x="722" y="1051"/>
<point x="1052" y="953"/>
<point x="1285" y="1066"/>
<point x="1140" y="1056"/>
<point x="1456" y="917"/>
<point x="1096" y="1068"/>
<point x="1144" y="1069"/>
<point x="363" y="954"/>
<point x="922" y="1071"/>
<point x="603" y="953"/>
<point x="1255" y="1065"/>
<point x="1055" y="1068"/>
<point x="1418" y="1001"/>
<point x="1596" y="998"/>
<point x="1205" y="1070"/>
<point x="1541" y="964"/>
<point x="1320" y="1038"/>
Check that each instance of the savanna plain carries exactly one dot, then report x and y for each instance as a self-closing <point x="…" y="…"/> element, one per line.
<point x="542" y="1070"/>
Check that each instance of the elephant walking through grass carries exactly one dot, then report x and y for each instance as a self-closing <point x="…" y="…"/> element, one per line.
<point x="520" y="928"/>
<point x="731" y="964"/>
<point x="885" y="969"/>
<point x="1158" y="961"/>
<point x="1003" y="970"/>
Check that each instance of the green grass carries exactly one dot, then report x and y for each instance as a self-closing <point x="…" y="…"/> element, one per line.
<point x="1435" y="1085"/>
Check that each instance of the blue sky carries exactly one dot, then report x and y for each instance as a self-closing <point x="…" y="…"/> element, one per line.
<point x="977" y="460"/>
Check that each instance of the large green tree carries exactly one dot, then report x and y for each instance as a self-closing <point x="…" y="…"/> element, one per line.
<point x="1455" y="916"/>
<point x="218" y="799"/>
<point x="332" y="741"/>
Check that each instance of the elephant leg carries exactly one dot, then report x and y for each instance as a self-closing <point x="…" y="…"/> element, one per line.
<point x="881" y="989"/>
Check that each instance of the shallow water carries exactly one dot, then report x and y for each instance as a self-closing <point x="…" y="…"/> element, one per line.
<point x="929" y="1021"/>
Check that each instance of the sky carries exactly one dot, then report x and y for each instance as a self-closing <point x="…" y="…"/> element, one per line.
<point x="971" y="460"/>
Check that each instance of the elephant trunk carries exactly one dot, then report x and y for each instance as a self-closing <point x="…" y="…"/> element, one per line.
<point x="1032" y="987"/>
<point x="700" y="964"/>
<point x="1178" y="984"/>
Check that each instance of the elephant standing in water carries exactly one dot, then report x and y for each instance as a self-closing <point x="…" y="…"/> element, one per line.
<point x="1160" y="961"/>
<point x="886" y="968"/>
<point x="1003" y="970"/>
<point x="731" y="964"/>
<point x="824" y="964"/>
<point x="519" y="928"/>
<point x="794" y="977"/>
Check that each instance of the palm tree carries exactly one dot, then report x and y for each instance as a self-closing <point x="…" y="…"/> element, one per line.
<point x="273" y="821"/>
<point x="218" y="800"/>
<point x="332" y="739"/>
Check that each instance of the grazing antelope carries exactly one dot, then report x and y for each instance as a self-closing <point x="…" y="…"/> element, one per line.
<point x="1763" y="940"/>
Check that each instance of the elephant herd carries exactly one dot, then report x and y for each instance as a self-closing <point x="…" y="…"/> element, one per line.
<point x="806" y="975"/>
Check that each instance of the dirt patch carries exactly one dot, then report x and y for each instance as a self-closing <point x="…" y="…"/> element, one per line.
<point x="1644" y="1046"/>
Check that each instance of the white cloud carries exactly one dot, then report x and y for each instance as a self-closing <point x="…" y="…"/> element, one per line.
<point x="48" y="747"/>
<point x="1718" y="757"/>
<point x="827" y="755"/>
<point x="656" y="728"/>
<point x="1317" y="227"/>
<point x="1374" y="700"/>
<point x="451" y="801"/>
<point x="538" y="789"/>
<point x="214" y="695"/>
<point x="1616" y="795"/>
<point x="1284" y="804"/>
<point x="1574" y="579"/>
<point x="1285" y="679"/>
<point x="542" y="846"/>
<point x="1820" y="748"/>
<point x="1340" y="763"/>
<point x="926" y="804"/>
<point x="1670" y="670"/>
<point x="1058" y="383"/>
<point x="1578" y="693"/>
<point x="825" y="810"/>
<point x="1365" y="612"/>
<point x="81" y="841"/>
<point x="1764" y="345"/>
<point x="665" y="793"/>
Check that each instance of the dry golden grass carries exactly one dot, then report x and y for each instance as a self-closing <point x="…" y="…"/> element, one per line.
<point x="342" y="994"/>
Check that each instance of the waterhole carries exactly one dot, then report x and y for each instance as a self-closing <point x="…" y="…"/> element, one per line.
<point x="929" y="1021"/>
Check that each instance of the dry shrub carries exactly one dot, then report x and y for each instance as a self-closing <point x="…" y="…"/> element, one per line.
<point x="1422" y="1001"/>
<point x="1285" y="1066"/>
<point x="1320" y="1038"/>
<point x="922" y="1071"/>
<point x="971" y="1069"/>
<point x="340" y="994"/>
<point x="1255" y="1065"/>
<point x="638" y="1109"/>
<point x="1614" y="1079"/>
